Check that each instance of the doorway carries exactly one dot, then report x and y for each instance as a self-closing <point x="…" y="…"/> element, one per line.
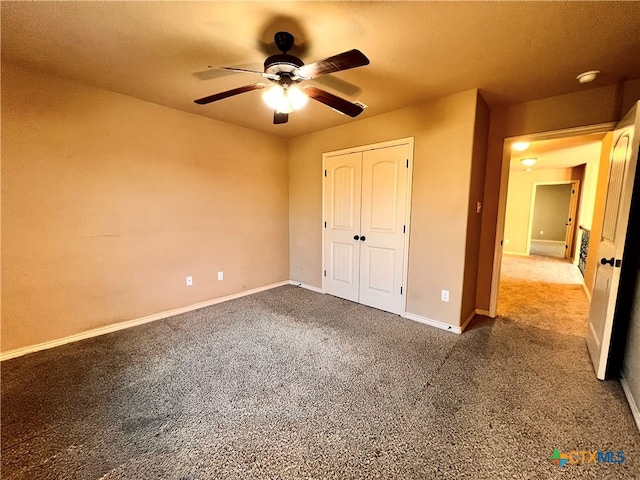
<point x="540" y="283"/>
<point x="552" y="220"/>
<point x="505" y="243"/>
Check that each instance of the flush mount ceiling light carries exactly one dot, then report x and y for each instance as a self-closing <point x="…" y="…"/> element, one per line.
<point x="520" y="146"/>
<point x="589" y="76"/>
<point x="529" y="162"/>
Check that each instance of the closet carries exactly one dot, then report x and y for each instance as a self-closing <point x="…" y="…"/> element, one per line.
<point x="366" y="203"/>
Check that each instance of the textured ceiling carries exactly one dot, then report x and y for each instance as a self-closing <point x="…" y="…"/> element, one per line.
<point x="159" y="51"/>
<point x="559" y="152"/>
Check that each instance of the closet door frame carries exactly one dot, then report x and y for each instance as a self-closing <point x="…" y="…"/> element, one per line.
<point x="409" y="142"/>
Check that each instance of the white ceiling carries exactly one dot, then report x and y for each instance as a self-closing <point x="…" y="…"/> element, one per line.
<point x="159" y="51"/>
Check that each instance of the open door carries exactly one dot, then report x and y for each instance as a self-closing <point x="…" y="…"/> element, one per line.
<point x="624" y="158"/>
<point x="571" y="220"/>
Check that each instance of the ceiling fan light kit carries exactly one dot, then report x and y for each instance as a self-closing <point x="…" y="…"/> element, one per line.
<point x="284" y="99"/>
<point x="287" y="71"/>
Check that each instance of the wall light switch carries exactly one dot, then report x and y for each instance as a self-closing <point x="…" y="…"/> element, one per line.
<point x="189" y="280"/>
<point x="220" y="276"/>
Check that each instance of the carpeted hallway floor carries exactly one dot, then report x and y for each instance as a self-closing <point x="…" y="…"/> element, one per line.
<point x="290" y="384"/>
<point x="543" y="292"/>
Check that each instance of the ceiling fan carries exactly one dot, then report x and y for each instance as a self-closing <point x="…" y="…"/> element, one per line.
<point x="286" y="71"/>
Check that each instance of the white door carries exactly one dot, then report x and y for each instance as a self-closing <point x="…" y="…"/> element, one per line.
<point x="573" y="209"/>
<point x="365" y="209"/>
<point x="624" y="158"/>
<point x="384" y="201"/>
<point x="342" y="200"/>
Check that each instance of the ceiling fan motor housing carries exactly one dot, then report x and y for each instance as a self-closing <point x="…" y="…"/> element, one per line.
<point x="282" y="62"/>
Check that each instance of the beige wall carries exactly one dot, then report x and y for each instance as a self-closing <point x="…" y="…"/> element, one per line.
<point x="589" y="187"/>
<point x="444" y="138"/>
<point x="600" y="199"/>
<point x="474" y="217"/>
<point x="519" y="198"/>
<point x="108" y="202"/>
<point x="631" y="363"/>
<point x="588" y="107"/>
<point x="551" y="212"/>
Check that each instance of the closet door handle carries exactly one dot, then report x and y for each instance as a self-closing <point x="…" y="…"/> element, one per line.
<point x="356" y="237"/>
<point x="604" y="261"/>
<point x="363" y="238"/>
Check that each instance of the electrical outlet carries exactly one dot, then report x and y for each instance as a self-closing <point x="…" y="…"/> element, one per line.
<point x="220" y="276"/>
<point x="189" y="280"/>
<point x="506" y="241"/>
<point x="541" y="232"/>
<point x="444" y="296"/>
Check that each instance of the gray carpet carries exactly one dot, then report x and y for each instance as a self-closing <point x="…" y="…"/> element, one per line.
<point x="292" y="384"/>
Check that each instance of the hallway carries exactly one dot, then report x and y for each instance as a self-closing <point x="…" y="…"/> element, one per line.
<point x="543" y="292"/>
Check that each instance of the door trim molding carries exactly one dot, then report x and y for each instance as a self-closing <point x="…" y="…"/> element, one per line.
<point x="363" y="148"/>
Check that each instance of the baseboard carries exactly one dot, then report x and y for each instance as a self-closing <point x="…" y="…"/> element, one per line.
<point x="306" y="286"/>
<point x="632" y="403"/>
<point x="516" y="254"/>
<point x="559" y="242"/>
<point x="18" y="352"/>
<point x="586" y="291"/>
<point x="484" y="313"/>
<point x="433" y="323"/>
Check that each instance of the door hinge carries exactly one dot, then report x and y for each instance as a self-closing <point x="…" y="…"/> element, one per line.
<point x="325" y="224"/>
<point x="400" y="290"/>
<point x="325" y="273"/>
<point x="404" y="229"/>
<point x="566" y="246"/>
<point x="407" y="163"/>
<point x="325" y="173"/>
<point x="501" y="242"/>
<point x="573" y="191"/>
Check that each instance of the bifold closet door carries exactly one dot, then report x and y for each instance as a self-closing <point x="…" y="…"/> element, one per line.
<point x="365" y="201"/>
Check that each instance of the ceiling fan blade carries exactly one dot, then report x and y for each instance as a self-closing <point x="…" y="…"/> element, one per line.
<point x="271" y="76"/>
<point x="337" y="103"/>
<point x="339" y="85"/>
<point x="343" y="61"/>
<point x="229" y="93"/>
<point x="280" y="118"/>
